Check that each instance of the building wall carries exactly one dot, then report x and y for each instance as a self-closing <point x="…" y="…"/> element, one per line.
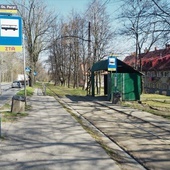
<point x="157" y="82"/>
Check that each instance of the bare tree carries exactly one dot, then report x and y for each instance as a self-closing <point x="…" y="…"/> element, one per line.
<point x="37" y="22"/>
<point x="11" y="66"/>
<point x="162" y="14"/>
<point x="42" y="72"/>
<point x="72" y="43"/>
<point x="101" y="33"/>
<point x="139" y="24"/>
<point x="75" y="27"/>
<point x="69" y="50"/>
<point x="58" y="57"/>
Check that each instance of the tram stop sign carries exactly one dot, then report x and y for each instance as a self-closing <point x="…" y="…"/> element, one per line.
<point x="10" y="33"/>
<point x="112" y="63"/>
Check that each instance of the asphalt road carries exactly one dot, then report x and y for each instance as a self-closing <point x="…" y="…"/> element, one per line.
<point x="7" y="93"/>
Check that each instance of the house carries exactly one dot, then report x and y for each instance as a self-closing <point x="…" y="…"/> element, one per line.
<point x="156" y="68"/>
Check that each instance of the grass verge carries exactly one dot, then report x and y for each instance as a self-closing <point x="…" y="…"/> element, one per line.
<point x="63" y="91"/>
<point x="6" y="106"/>
<point x="153" y="103"/>
<point x="8" y="116"/>
<point x="29" y="92"/>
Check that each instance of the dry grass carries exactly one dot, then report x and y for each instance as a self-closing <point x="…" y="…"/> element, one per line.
<point x="153" y="103"/>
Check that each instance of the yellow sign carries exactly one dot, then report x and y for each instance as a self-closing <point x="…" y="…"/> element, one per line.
<point x="12" y="9"/>
<point x="10" y="48"/>
<point x="8" y="11"/>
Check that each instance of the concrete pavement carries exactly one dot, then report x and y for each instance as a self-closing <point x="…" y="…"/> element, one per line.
<point x="49" y="138"/>
<point x="148" y="142"/>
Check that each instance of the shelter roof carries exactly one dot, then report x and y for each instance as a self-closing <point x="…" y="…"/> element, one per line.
<point x="121" y="67"/>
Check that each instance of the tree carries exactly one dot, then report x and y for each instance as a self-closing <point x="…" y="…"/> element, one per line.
<point x="11" y="66"/>
<point x="101" y="33"/>
<point x="162" y="13"/>
<point x="101" y="30"/>
<point x="139" y="24"/>
<point x="37" y="23"/>
<point x="68" y="51"/>
<point x="42" y="73"/>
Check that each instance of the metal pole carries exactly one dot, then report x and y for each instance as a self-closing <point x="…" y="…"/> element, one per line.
<point x="25" y="92"/>
<point x="0" y="75"/>
<point x="0" y="92"/>
<point x="0" y="125"/>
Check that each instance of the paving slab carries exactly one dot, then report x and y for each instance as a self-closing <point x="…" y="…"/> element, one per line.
<point x="49" y="138"/>
<point x="150" y="144"/>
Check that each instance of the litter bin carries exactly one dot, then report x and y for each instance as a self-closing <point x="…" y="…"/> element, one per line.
<point x="18" y="104"/>
<point x="116" y="98"/>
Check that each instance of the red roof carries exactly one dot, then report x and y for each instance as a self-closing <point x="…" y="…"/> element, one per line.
<point x="153" y="60"/>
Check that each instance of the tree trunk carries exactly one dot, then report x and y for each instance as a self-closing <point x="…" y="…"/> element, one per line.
<point x="31" y="71"/>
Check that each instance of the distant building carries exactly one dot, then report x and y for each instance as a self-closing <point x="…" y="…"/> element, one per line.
<point x="156" y="69"/>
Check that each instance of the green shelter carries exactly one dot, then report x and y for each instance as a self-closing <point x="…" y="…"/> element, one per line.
<point x="124" y="81"/>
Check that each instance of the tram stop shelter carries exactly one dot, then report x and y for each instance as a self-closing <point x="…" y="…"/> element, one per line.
<point x="122" y="82"/>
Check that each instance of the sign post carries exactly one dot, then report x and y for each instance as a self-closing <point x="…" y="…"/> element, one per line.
<point x="25" y="91"/>
<point x="112" y="66"/>
<point x="10" y="32"/>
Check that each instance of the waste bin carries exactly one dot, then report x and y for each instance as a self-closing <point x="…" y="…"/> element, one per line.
<point x="116" y="98"/>
<point x="18" y="104"/>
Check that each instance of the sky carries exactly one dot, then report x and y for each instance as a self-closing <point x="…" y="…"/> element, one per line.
<point x="64" y="7"/>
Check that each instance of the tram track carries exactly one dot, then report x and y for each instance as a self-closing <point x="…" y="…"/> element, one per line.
<point x="159" y="135"/>
<point x="143" y="131"/>
<point x="112" y="140"/>
<point x="137" y="119"/>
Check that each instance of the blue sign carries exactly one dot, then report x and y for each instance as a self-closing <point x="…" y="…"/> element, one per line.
<point x="35" y="73"/>
<point x="27" y="69"/>
<point x="112" y="63"/>
<point x="10" y="33"/>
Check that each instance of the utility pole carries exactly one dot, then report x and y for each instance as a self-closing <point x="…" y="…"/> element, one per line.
<point x="89" y="60"/>
<point x="89" y="45"/>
